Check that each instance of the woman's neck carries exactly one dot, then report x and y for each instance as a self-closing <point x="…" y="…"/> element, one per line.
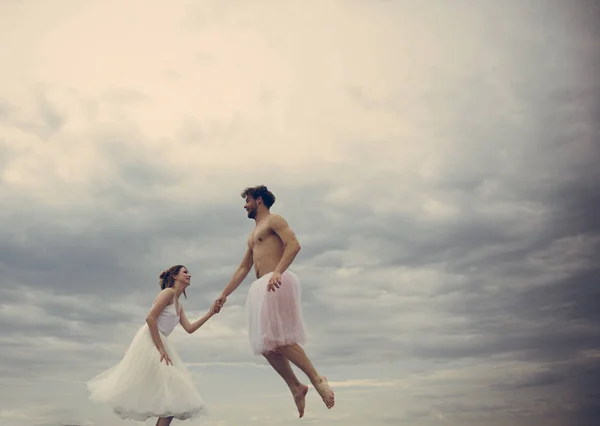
<point x="178" y="291"/>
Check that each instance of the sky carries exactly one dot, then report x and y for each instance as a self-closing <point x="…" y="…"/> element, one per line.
<point x="437" y="161"/>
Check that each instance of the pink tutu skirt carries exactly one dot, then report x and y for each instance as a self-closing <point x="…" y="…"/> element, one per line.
<point x="275" y="319"/>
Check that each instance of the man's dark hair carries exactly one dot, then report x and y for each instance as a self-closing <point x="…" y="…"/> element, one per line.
<point x="260" y="191"/>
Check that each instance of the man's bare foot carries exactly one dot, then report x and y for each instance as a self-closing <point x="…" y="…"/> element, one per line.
<point x="300" y="398"/>
<point x="325" y="391"/>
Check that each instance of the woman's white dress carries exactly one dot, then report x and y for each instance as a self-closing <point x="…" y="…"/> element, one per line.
<point x="141" y="386"/>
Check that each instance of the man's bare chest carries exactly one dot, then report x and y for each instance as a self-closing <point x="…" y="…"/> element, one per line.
<point x="259" y="235"/>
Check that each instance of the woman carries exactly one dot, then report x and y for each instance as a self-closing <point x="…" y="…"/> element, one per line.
<point x="151" y="380"/>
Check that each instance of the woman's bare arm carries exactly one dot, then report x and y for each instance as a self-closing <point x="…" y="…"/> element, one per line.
<point x="164" y="298"/>
<point x="191" y="327"/>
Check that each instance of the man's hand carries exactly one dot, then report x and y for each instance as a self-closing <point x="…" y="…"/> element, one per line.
<point x="212" y="311"/>
<point x="219" y="303"/>
<point x="274" y="281"/>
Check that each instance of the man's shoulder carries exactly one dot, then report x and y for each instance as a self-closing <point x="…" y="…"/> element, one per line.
<point x="276" y="219"/>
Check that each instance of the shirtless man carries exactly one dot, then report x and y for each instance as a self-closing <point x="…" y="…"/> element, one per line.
<point x="273" y="306"/>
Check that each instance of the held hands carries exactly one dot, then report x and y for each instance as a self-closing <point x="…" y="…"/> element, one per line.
<point x="219" y="304"/>
<point x="212" y="311"/>
<point x="274" y="281"/>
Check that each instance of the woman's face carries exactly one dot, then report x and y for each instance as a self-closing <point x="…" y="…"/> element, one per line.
<point x="183" y="277"/>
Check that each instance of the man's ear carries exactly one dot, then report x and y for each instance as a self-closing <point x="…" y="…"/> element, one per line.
<point x="259" y="200"/>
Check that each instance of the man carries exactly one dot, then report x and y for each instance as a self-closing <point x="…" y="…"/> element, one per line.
<point x="273" y="306"/>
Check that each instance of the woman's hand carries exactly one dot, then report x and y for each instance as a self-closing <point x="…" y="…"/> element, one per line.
<point x="164" y="355"/>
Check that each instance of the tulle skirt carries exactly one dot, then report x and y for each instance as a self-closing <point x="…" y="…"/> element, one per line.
<point x="141" y="386"/>
<point x="275" y="319"/>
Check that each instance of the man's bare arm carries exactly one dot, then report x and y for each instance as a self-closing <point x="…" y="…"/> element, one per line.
<point x="280" y="226"/>
<point x="240" y="273"/>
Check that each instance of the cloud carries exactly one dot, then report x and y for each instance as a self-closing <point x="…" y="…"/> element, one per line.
<point x="124" y="96"/>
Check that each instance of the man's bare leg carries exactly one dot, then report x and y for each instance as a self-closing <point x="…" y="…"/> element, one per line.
<point x="283" y="367"/>
<point x="296" y="354"/>
<point x="164" y="421"/>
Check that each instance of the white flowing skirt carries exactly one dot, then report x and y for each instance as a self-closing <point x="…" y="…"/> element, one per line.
<point x="141" y="386"/>
<point x="274" y="319"/>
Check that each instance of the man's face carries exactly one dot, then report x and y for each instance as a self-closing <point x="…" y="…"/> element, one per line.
<point x="251" y="207"/>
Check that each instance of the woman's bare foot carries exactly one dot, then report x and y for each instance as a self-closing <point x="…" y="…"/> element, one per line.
<point x="325" y="391"/>
<point x="299" y="394"/>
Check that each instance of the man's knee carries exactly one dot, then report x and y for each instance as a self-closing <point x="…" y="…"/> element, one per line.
<point x="272" y="354"/>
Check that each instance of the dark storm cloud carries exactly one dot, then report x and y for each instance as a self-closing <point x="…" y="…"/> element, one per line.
<point x="573" y="299"/>
<point x="577" y="200"/>
<point x="553" y="173"/>
<point x="109" y="252"/>
<point x="38" y="324"/>
<point x="511" y="303"/>
<point x="527" y="250"/>
<point x="47" y="305"/>
<point x="581" y="376"/>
